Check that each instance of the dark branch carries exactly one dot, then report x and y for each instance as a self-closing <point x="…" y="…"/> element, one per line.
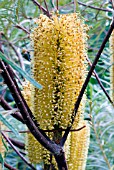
<point x="89" y="6"/>
<point x="87" y="81"/>
<point x="19" y="144"/>
<point x="61" y="161"/>
<point x="9" y="166"/>
<point x="15" y="50"/>
<point x="57" y="4"/>
<point x="26" y="113"/>
<point x="6" y="106"/>
<point x="46" y="7"/>
<point x="99" y="82"/>
<point x="53" y="130"/>
<point x="15" y="149"/>
<point x="41" y="7"/>
<point x="93" y="7"/>
<point x="25" y="104"/>
<point x="22" y="28"/>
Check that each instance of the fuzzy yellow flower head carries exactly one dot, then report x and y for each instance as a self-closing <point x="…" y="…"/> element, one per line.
<point x="59" y="65"/>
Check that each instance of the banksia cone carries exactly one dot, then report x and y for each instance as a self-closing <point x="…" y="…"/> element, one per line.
<point x="79" y="144"/>
<point x="59" y="65"/>
<point x="112" y="64"/>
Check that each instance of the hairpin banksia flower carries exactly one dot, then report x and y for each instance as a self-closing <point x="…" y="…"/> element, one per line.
<point x="112" y="64"/>
<point x="78" y="147"/>
<point x="59" y="65"/>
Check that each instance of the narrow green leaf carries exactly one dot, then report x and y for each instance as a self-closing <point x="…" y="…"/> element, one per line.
<point x="1" y="160"/>
<point x="4" y="143"/>
<point x="23" y="73"/>
<point x="5" y="122"/>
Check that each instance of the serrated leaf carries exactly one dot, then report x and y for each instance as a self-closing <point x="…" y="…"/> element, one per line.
<point x="5" y="122"/>
<point x="23" y="73"/>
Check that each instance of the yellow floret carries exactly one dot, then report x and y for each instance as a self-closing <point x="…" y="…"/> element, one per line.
<point x="112" y="64"/>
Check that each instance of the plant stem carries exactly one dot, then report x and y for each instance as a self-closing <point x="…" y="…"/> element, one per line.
<point x="46" y="7"/>
<point x="19" y="144"/>
<point x="9" y="166"/>
<point x="6" y="106"/>
<point x="99" y="82"/>
<point x="41" y="7"/>
<point x="22" y="28"/>
<point x="24" y="110"/>
<point x="54" y="148"/>
<point x="53" y="130"/>
<point x="101" y="147"/>
<point x="16" y="52"/>
<point x="61" y="162"/>
<point x="57" y="4"/>
<point x="15" y="149"/>
<point x="97" y="138"/>
<point x="89" y="6"/>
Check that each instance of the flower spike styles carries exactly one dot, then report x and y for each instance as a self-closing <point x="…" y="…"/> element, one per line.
<point x="112" y="64"/>
<point x="59" y="65"/>
<point x="79" y="144"/>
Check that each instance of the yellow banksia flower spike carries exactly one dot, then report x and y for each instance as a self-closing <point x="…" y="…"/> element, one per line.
<point x="34" y="148"/>
<point x="79" y="144"/>
<point x="2" y="147"/>
<point x="112" y="64"/>
<point x="59" y="66"/>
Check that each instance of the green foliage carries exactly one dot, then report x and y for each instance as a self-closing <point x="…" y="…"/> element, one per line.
<point x="5" y="122"/>
<point x="19" y="70"/>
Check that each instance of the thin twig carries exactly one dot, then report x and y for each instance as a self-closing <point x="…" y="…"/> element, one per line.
<point x="98" y="11"/>
<point x="94" y="7"/>
<point x="19" y="144"/>
<point x="16" y="51"/>
<point x="112" y="1"/>
<point x="9" y="166"/>
<point x="41" y="7"/>
<point x="86" y="82"/>
<point x="46" y="7"/>
<point x="89" y="6"/>
<point x="18" y="55"/>
<point x="57" y="4"/>
<point x="98" y="139"/>
<point x="22" y="28"/>
<point x="15" y="149"/>
<point x="99" y="82"/>
<point x="101" y="147"/>
<point x="53" y="130"/>
<point x="6" y="106"/>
